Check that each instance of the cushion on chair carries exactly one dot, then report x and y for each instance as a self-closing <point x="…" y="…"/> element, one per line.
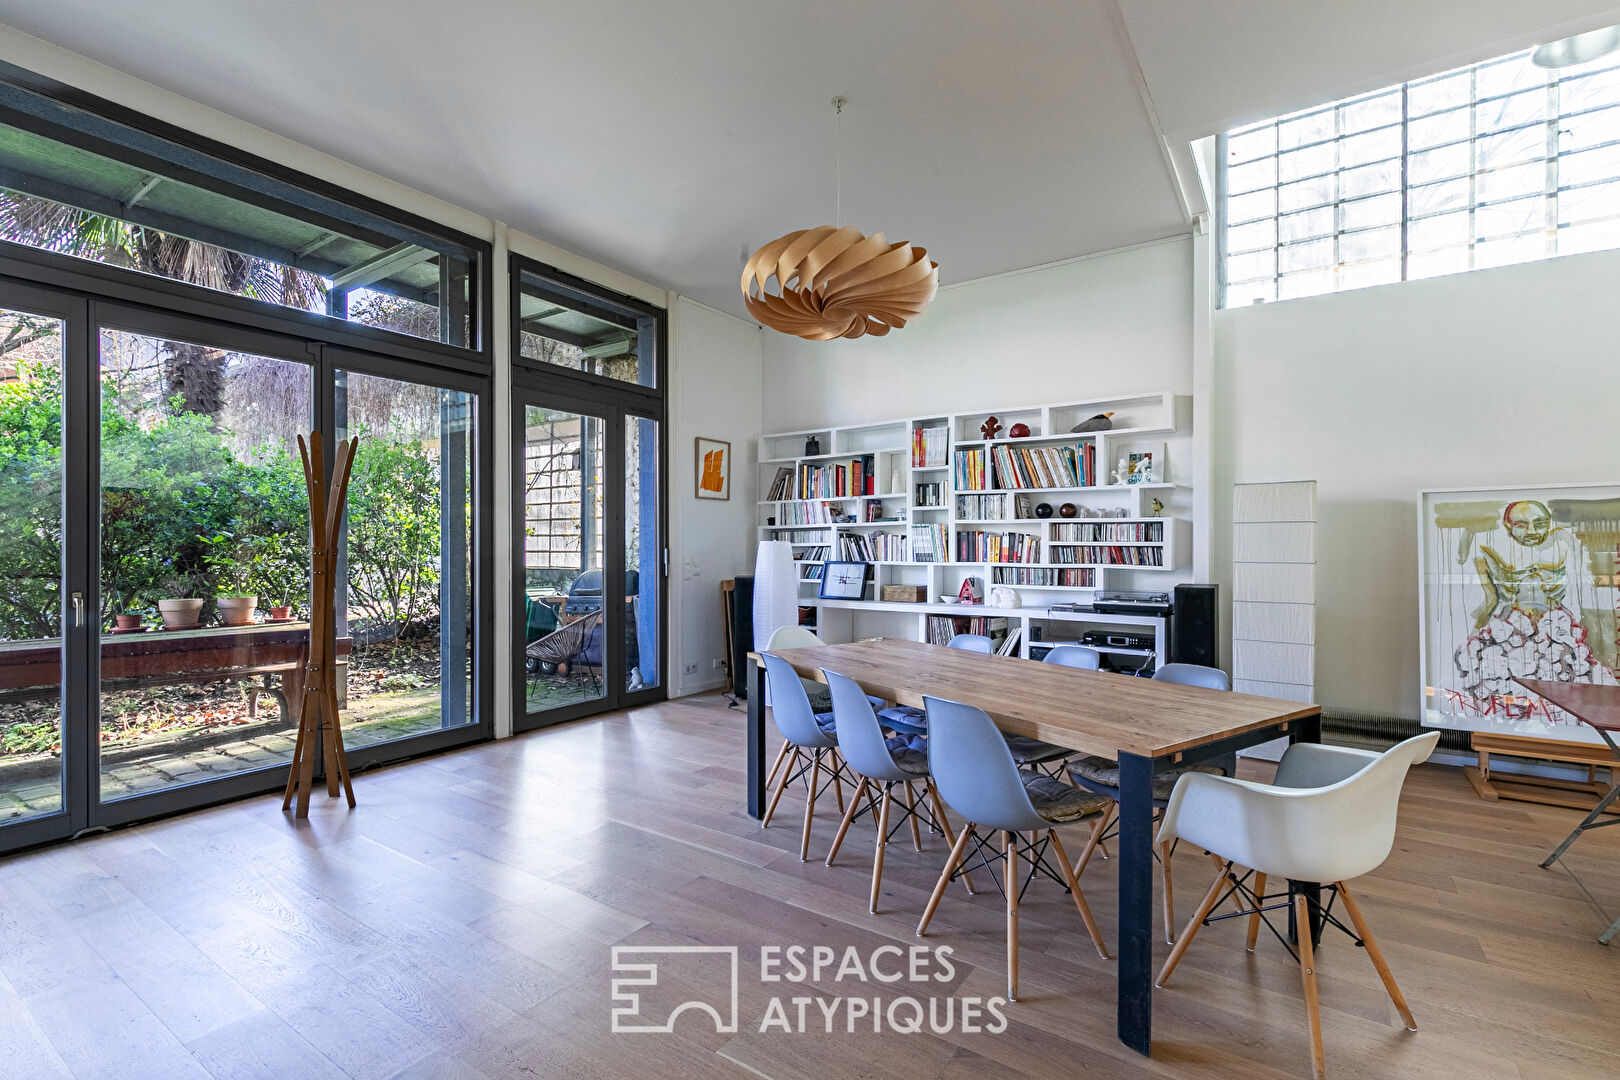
<point x="1057" y="802"/>
<point x="1027" y="751"/>
<point x="1099" y="772"/>
<point x="824" y="721"/>
<point x="904" y="719"/>
<point x="821" y="697"/>
<point x="912" y="761"/>
<point x="902" y="741"/>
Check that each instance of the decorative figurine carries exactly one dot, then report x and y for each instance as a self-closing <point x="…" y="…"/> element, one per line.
<point x="1018" y="431"/>
<point x="1067" y="510"/>
<point x="812" y="446"/>
<point x="1043" y="510"/>
<point x="971" y="591"/>
<point x="1101" y="422"/>
<point x="1122" y="472"/>
<point x="989" y="428"/>
<point x="1155" y="508"/>
<point x="1004" y="598"/>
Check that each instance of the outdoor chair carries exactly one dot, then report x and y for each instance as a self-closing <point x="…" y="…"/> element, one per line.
<point x="567" y="645"/>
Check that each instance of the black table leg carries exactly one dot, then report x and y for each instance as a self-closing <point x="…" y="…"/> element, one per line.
<point x="1136" y="912"/>
<point x="756" y="739"/>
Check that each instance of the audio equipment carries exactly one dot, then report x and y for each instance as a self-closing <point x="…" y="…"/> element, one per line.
<point x="742" y="633"/>
<point x="1195" y="626"/>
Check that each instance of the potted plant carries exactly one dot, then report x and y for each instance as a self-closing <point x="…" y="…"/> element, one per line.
<point x="179" y="609"/>
<point x="280" y="572"/>
<point x="230" y="558"/>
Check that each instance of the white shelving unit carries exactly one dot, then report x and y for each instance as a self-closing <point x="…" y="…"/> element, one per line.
<point x="1066" y="560"/>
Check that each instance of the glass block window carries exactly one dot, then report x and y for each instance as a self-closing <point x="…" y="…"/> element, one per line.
<point x="1501" y="162"/>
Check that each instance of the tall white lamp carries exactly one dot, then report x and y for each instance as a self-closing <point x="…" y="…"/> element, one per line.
<point x="776" y="590"/>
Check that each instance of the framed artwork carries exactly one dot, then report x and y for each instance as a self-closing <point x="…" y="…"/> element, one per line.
<point x="843" y="581"/>
<point x="1515" y="582"/>
<point x="713" y="468"/>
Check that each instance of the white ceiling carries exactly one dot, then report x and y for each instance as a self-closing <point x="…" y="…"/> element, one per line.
<point x="665" y="137"/>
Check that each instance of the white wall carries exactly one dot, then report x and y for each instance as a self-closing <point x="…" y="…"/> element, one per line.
<point x="714" y="388"/>
<point x="1495" y="377"/>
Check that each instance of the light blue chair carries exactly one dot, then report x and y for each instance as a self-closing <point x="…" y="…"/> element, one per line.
<point x="1100" y="775"/>
<point x="1083" y="657"/>
<point x="971" y="643"/>
<point x="975" y="773"/>
<point x="881" y="764"/>
<point x="813" y="744"/>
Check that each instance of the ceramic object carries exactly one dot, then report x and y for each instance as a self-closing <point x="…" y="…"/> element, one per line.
<point x="1101" y="422"/>
<point x="237" y="610"/>
<point x="179" y="614"/>
<point x="812" y="446"/>
<point x="1043" y="510"/>
<point x="1018" y="431"/>
<point x="281" y="613"/>
<point x="127" y="622"/>
<point x="1004" y="598"/>
<point x="989" y="428"/>
<point x="1067" y="510"/>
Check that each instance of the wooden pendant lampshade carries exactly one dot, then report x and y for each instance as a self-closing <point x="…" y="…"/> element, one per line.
<point x="835" y="282"/>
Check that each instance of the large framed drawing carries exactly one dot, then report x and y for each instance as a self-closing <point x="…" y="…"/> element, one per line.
<point x="1516" y="581"/>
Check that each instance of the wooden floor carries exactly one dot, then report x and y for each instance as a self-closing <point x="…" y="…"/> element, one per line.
<point x="458" y="923"/>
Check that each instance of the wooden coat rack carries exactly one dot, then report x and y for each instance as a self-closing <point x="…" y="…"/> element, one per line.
<point x="318" y="724"/>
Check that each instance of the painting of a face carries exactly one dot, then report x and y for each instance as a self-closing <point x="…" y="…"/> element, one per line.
<point x="1528" y="521"/>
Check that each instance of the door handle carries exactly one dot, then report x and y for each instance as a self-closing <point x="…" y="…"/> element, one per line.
<point x="78" y="609"/>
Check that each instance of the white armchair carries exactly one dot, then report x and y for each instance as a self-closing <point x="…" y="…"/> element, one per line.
<point x="1328" y="817"/>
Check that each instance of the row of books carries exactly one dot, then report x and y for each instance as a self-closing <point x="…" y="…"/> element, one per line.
<point x="981" y="507"/>
<point x="1106" y="532"/>
<point x="834" y="481"/>
<point x="969" y="470"/>
<point x="929" y="495"/>
<point x="874" y="547"/>
<point x="781" y="487"/>
<point x="1079" y="578"/>
<point x="801" y="536"/>
<point x="1013" y="547"/>
<point x="1111" y="555"/>
<point x="1030" y="467"/>
<point x="928" y="447"/>
<point x="804" y="513"/>
<point x="812" y="573"/>
<point x="941" y="628"/>
<point x="812" y="554"/>
<point x="930" y="543"/>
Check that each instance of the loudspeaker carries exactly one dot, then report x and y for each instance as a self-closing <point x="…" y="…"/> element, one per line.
<point x="742" y="633"/>
<point x="1195" y="626"/>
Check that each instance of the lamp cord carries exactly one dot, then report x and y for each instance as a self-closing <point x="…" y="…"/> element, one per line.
<point x="838" y="161"/>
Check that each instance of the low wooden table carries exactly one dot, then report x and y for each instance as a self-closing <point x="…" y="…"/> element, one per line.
<point x="1599" y="708"/>
<point x="33" y="669"/>
<point x="1144" y="725"/>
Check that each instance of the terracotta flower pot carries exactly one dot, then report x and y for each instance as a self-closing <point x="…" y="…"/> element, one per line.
<point x="127" y="622"/>
<point x="280" y="611"/>
<point x="237" y="610"/>
<point x="179" y="613"/>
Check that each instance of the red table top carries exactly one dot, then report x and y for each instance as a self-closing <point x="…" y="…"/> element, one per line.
<point x="1598" y="706"/>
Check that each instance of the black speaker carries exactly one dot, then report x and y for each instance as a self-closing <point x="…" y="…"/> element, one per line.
<point x="742" y="633"/>
<point x="1195" y="626"/>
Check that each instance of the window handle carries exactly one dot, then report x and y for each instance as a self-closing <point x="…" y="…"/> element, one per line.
<point x="78" y="609"/>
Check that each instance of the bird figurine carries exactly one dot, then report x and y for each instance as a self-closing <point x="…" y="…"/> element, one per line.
<point x="1155" y="508"/>
<point x="989" y="428"/>
<point x="1103" y="421"/>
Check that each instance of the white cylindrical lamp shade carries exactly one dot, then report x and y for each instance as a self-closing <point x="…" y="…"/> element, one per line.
<point x="776" y="590"/>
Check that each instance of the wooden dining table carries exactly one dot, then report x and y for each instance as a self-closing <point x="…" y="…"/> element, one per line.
<point x="1148" y="727"/>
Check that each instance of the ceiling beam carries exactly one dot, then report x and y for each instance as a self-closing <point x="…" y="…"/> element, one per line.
<point x="141" y="190"/>
<point x="380" y="266"/>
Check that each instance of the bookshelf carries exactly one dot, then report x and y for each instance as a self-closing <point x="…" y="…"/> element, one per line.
<point x="934" y="502"/>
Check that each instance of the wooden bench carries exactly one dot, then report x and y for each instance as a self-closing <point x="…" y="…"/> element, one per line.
<point x="32" y="670"/>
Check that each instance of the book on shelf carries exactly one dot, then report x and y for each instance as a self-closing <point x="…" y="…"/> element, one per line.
<point x="928" y="447"/>
<point x="804" y="513"/>
<point x="941" y="628"/>
<point x="1110" y="532"/>
<point x="782" y="486"/>
<point x="981" y="507"/>
<point x="969" y="470"/>
<point x="874" y="547"/>
<point x="1107" y="555"/>
<point x="930" y="494"/>
<point x="986" y="547"/>
<point x="1069" y="578"/>
<point x="928" y="542"/>
<point x="1035" y="467"/>
<point x="834" y="480"/>
<point x="1009" y="647"/>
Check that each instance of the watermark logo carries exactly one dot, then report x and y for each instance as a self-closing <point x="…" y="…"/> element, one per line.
<point x="627" y="1015"/>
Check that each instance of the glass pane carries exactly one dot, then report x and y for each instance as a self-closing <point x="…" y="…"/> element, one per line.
<point x="1305" y="225"/>
<point x="1507" y="75"/>
<point x="1441" y="231"/>
<point x="1510" y="148"/>
<point x="1441" y="164"/>
<point x="1583" y="204"/>
<point x="1589" y="91"/>
<point x="1589" y="130"/>
<point x="1303" y="130"/>
<point x="1434" y="95"/>
<point x="407" y="557"/>
<point x="1365" y="213"/>
<point x="1380" y="145"/>
<point x="1368" y="113"/>
<point x="1258" y="264"/>
<point x="1261" y="234"/>
<point x="1256" y="204"/>
<point x="1441" y="128"/>
<point x="204" y="561"/>
<point x="1306" y="256"/>
<point x="643" y="553"/>
<point x="1305" y="193"/>
<point x="586" y="333"/>
<point x="1510" y="183"/>
<point x="1246" y="146"/>
<point x="1370" y="179"/>
<point x="562" y="557"/>
<point x="1512" y="111"/>
<point x="1254" y="174"/>
<point x="30" y="566"/>
<point x="61" y="198"/>
<point x="1311" y="161"/>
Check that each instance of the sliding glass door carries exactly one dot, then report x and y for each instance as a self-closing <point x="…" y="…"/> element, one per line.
<point x="589" y="499"/>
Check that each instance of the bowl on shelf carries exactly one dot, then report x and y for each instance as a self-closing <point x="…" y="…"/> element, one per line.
<point x="949" y="598"/>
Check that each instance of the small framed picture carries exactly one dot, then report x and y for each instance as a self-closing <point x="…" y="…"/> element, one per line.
<point x="843" y="581"/>
<point x="713" y="468"/>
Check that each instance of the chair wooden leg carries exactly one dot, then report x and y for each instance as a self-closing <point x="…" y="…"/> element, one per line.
<point x="1307" y="973"/>
<point x="1093" y="843"/>
<point x="1193" y="924"/>
<point x="1376" y="956"/>
<point x="1169" y="895"/>
<point x="837" y="767"/>
<point x="1009" y="842"/>
<point x="849" y="816"/>
<point x="911" y="805"/>
<point x="887" y="796"/>
<point x="945" y="826"/>
<point x="810" y="805"/>
<point x="1254" y="920"/>
<point x="1079" y="897"/>
<point x="957" y="851"/>
<point x="780" y="756"/>
<point x="781" y="786"/>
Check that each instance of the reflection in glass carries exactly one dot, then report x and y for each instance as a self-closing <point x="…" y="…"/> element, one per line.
<point x="562" y="558"/>
<point x="30" y="566"/>
<point x="204" y="554"/>
<point x="408" y="558"/>
<point x="643" y="550"/>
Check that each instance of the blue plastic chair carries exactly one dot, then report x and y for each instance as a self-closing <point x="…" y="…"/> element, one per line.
<point x="813" y="744"/>
<point x="971" y="643"/>
<point x="1101" y="775"/>
<point x="975" y="773"/>
<point x="881" y="764"/>
<point x="1076" y="656"/>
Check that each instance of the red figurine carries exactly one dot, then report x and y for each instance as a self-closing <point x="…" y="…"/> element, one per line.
<point x="1018" y="431"/>
<point x="989" y="428"/>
